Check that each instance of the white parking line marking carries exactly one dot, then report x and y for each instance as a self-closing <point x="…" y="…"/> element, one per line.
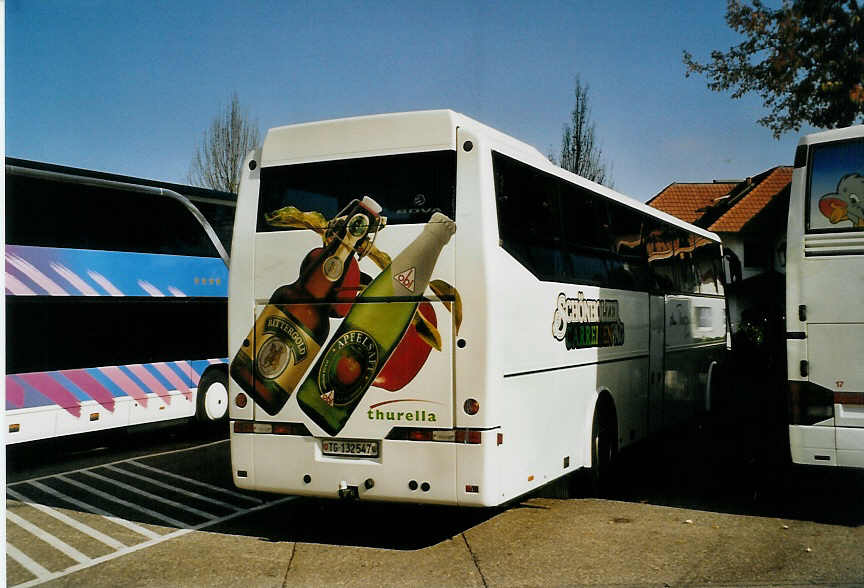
<point x="150" y="495"/>
<point x="48" y="538"/>
<point x="197" y="482"/>
<point x="34" y="568"/>
<point x="98" y="535"/>
<point x="126" y="503"/>
<point x="160" y="478"/>
<point x="156" y="482"/>
<point x="96" y="510"/>
<point x="96" y="467"/>
<point x="175" y="534"/>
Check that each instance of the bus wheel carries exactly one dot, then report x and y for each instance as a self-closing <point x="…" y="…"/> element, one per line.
<point x="211" y="406"/>
<point x="604" y="449"/>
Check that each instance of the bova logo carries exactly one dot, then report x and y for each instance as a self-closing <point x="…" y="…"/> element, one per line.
<point x="587" y="322"/>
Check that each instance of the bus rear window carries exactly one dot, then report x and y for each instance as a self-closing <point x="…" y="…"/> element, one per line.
<point x="836" y="187"/>
<point x="409" y="187"/>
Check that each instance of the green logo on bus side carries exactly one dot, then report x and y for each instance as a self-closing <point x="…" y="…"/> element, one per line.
<point x="587" y="322"/>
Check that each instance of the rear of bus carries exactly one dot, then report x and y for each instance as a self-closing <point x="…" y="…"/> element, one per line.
<point x="404" y="434"/>
<point x="825" y="290"/>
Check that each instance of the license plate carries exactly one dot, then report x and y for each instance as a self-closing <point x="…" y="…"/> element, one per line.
<point x="349" y="447"/>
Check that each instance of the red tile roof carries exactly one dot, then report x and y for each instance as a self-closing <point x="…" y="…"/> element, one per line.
<point x="688" y="201"/>
<point x="754" y="201"/>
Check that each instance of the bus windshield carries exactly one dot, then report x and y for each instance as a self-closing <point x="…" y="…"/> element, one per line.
<point x="836" y="187"/>
<point x="409" y="187"/>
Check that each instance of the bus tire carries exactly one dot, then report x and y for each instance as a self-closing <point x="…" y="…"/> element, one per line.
<point x="211" y="404"/>
<point x="604" y="448"/>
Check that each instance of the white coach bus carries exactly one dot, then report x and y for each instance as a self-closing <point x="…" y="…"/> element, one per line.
<point x="824" y="315"/>
<point x="530" y="323"/>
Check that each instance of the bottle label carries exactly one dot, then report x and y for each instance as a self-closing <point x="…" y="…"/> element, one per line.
<point x="283" y="350"/>
<point x="333" y="267"/>
<point x="358" y="226"/>
<point x="348" y="368"/>
<point x="281" y="345"/>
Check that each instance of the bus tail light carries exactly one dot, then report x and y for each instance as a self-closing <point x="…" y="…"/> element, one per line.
<point x="243" y="427"/>
<point x="464" y="436"/>
<point x="469" y="436"/>
<point x="271" y="428"/>
<point x="291" y="429"/>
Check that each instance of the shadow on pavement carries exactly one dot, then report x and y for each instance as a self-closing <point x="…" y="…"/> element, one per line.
<point x="726" y="467"/>
<point x="736" y="460"/>
<point x="359" y="524"/>
<point x="50" y="456"/>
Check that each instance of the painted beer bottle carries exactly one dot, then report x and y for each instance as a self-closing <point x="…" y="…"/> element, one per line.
<point x="289" y="332"/>
<point x="372" y="330"/>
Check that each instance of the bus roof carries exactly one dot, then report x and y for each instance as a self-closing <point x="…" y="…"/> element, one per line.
<point x="192" y="192"/>
<point x="417" y="131"/>
<point x="833" y="135"/>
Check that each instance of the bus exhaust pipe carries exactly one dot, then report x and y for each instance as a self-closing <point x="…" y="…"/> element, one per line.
<point x="347" y="492"/>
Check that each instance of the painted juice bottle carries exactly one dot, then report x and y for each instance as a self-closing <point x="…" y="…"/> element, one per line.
<point x="289" y="332"/>
<point x="372" y="330"/>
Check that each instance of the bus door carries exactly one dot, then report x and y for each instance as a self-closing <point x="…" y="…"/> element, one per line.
<point x="657" y="343"/>
<point x="835" y="365"/>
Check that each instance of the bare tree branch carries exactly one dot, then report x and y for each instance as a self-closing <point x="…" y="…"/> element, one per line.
<point x="580" y="153"/>
<point x="217" y="161"/>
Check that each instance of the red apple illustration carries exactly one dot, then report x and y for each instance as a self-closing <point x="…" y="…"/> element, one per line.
<point x="408" y="357"/>
<point x="348" y="370"/>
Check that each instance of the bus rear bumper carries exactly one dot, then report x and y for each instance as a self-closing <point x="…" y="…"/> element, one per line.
<point x="404" y="471"/>
<point x="812" y="445"/>
<point x="827" y="446"/>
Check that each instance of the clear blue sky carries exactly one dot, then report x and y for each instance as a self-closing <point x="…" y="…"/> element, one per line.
<point x="128" y="86"/>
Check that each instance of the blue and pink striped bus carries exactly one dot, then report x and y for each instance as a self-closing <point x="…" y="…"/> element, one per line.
<point x="115" y="294"/>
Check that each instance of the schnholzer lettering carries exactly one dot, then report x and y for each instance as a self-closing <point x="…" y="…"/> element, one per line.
<point x="586" y="322"/>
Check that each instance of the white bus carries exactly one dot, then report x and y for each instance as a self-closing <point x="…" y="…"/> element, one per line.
<point x="116" y="302"/>
<point x="562" y="321"/>
<point x="824" y="294"/>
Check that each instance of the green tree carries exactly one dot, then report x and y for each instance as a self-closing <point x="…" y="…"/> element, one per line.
<point x="223" y="147"/>
<point x="580" y="152"/>
<point x="805" y="59"/>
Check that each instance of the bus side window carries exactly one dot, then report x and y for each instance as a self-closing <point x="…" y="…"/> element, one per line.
<point x="660" y="242"/>
<point x="77" y="216"/>
<point x="708" y="266"/>
<point x="628" y="268"/>
<point x="684" y="246"/>
<point x="529" y="218"/>
<point x="586" y="235"/>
